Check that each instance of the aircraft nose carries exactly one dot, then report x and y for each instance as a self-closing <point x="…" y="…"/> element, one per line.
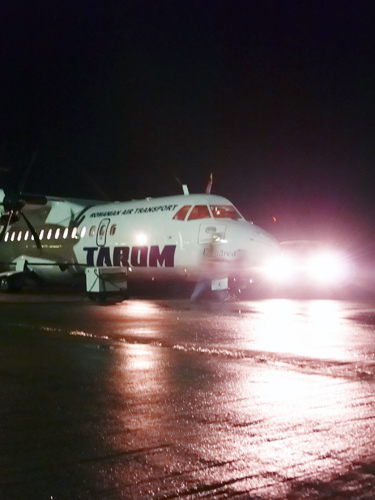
<point x="266" y="238"/>
<point x="264" y="246"/>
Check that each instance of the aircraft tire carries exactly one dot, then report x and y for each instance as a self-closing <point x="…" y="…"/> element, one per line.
<point x="5" y="284"/>
<point x="97" y="296"/>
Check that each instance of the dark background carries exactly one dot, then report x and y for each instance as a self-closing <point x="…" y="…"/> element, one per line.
<point x="276" y="98"/>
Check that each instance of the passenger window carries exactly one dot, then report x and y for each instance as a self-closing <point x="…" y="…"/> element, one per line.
<point x="41" y="234"/>
<point x="83" y="231"/>
<point x="74" y="233"/>
<point x="19" y="237"/>
<point x="49" y="234"/>
<point x="6" y="236"/>
<point x="26" y="236"/>
<point x="181" y="214"/>
<point x="57" y="233"/>
<point x="13" y="236"/>
<point x="92" y="230"/>
<point x="66" y="231"/>
<point x="200" y="212"/>
<point x="112" y="231"/>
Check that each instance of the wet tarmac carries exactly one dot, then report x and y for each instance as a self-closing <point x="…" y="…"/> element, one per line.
<point x="267" y="399"/>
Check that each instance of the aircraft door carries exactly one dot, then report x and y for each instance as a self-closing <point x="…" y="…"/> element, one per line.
<point x="101" y="235"/>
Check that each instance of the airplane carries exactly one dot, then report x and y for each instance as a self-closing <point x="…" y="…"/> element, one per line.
<point x="187" y="238"/>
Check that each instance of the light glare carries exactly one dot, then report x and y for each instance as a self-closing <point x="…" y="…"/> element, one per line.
<point x="280" y="270"/>
<point x="141" y="239"/>
<point x="325" y="268"/>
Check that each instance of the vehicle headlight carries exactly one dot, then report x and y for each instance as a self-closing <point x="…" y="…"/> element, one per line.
<point x="326" y="268"/>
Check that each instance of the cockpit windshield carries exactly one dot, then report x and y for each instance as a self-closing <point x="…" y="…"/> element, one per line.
<point x="225" y="212"/>
<point x="187" y="212"/>
<point x="181" y="214"/>
<point x="199" y="212"/>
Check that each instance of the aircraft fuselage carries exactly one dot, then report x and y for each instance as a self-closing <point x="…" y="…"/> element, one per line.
<point x="170" y="237"/>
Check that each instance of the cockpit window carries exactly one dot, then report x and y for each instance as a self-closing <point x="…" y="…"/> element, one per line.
<point x="181" y="214"/>
<point x="225" y="212"/>
<point x="199" y="212"/>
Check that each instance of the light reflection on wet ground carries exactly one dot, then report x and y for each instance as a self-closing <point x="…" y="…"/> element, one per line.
<point x="165" y="399"/>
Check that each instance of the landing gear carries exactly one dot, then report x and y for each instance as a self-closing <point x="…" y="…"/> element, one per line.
<point x="10" y="284"/>
<point x="5" y="285"/>
<point x="102" y="297"/>
<point x="97" y="296"/>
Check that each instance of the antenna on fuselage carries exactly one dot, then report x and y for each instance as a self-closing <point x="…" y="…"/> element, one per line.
<point x="185" y="189"/>
<point x="209" y="185"/>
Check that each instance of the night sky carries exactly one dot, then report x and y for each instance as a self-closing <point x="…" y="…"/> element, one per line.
<point x="276" y="98"/>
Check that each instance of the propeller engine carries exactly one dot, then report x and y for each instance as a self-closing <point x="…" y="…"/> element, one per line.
<point x="14" y="204"/>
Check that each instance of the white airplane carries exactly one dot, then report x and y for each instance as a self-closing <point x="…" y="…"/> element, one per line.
<point x="197" y="237"/>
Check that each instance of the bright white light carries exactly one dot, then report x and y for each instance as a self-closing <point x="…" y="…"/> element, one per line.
<point x="326" y="268"/>
<point x="302" y="265"/>
<point x="141" y="239"/>
<point x="280" y="270"/>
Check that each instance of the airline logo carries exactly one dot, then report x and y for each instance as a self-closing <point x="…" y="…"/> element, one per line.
<point x="138" y="256"/>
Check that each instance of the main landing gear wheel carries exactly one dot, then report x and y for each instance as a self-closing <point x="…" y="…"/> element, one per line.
<point x="6" y="284"/>
<point x="9" y="284"/>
